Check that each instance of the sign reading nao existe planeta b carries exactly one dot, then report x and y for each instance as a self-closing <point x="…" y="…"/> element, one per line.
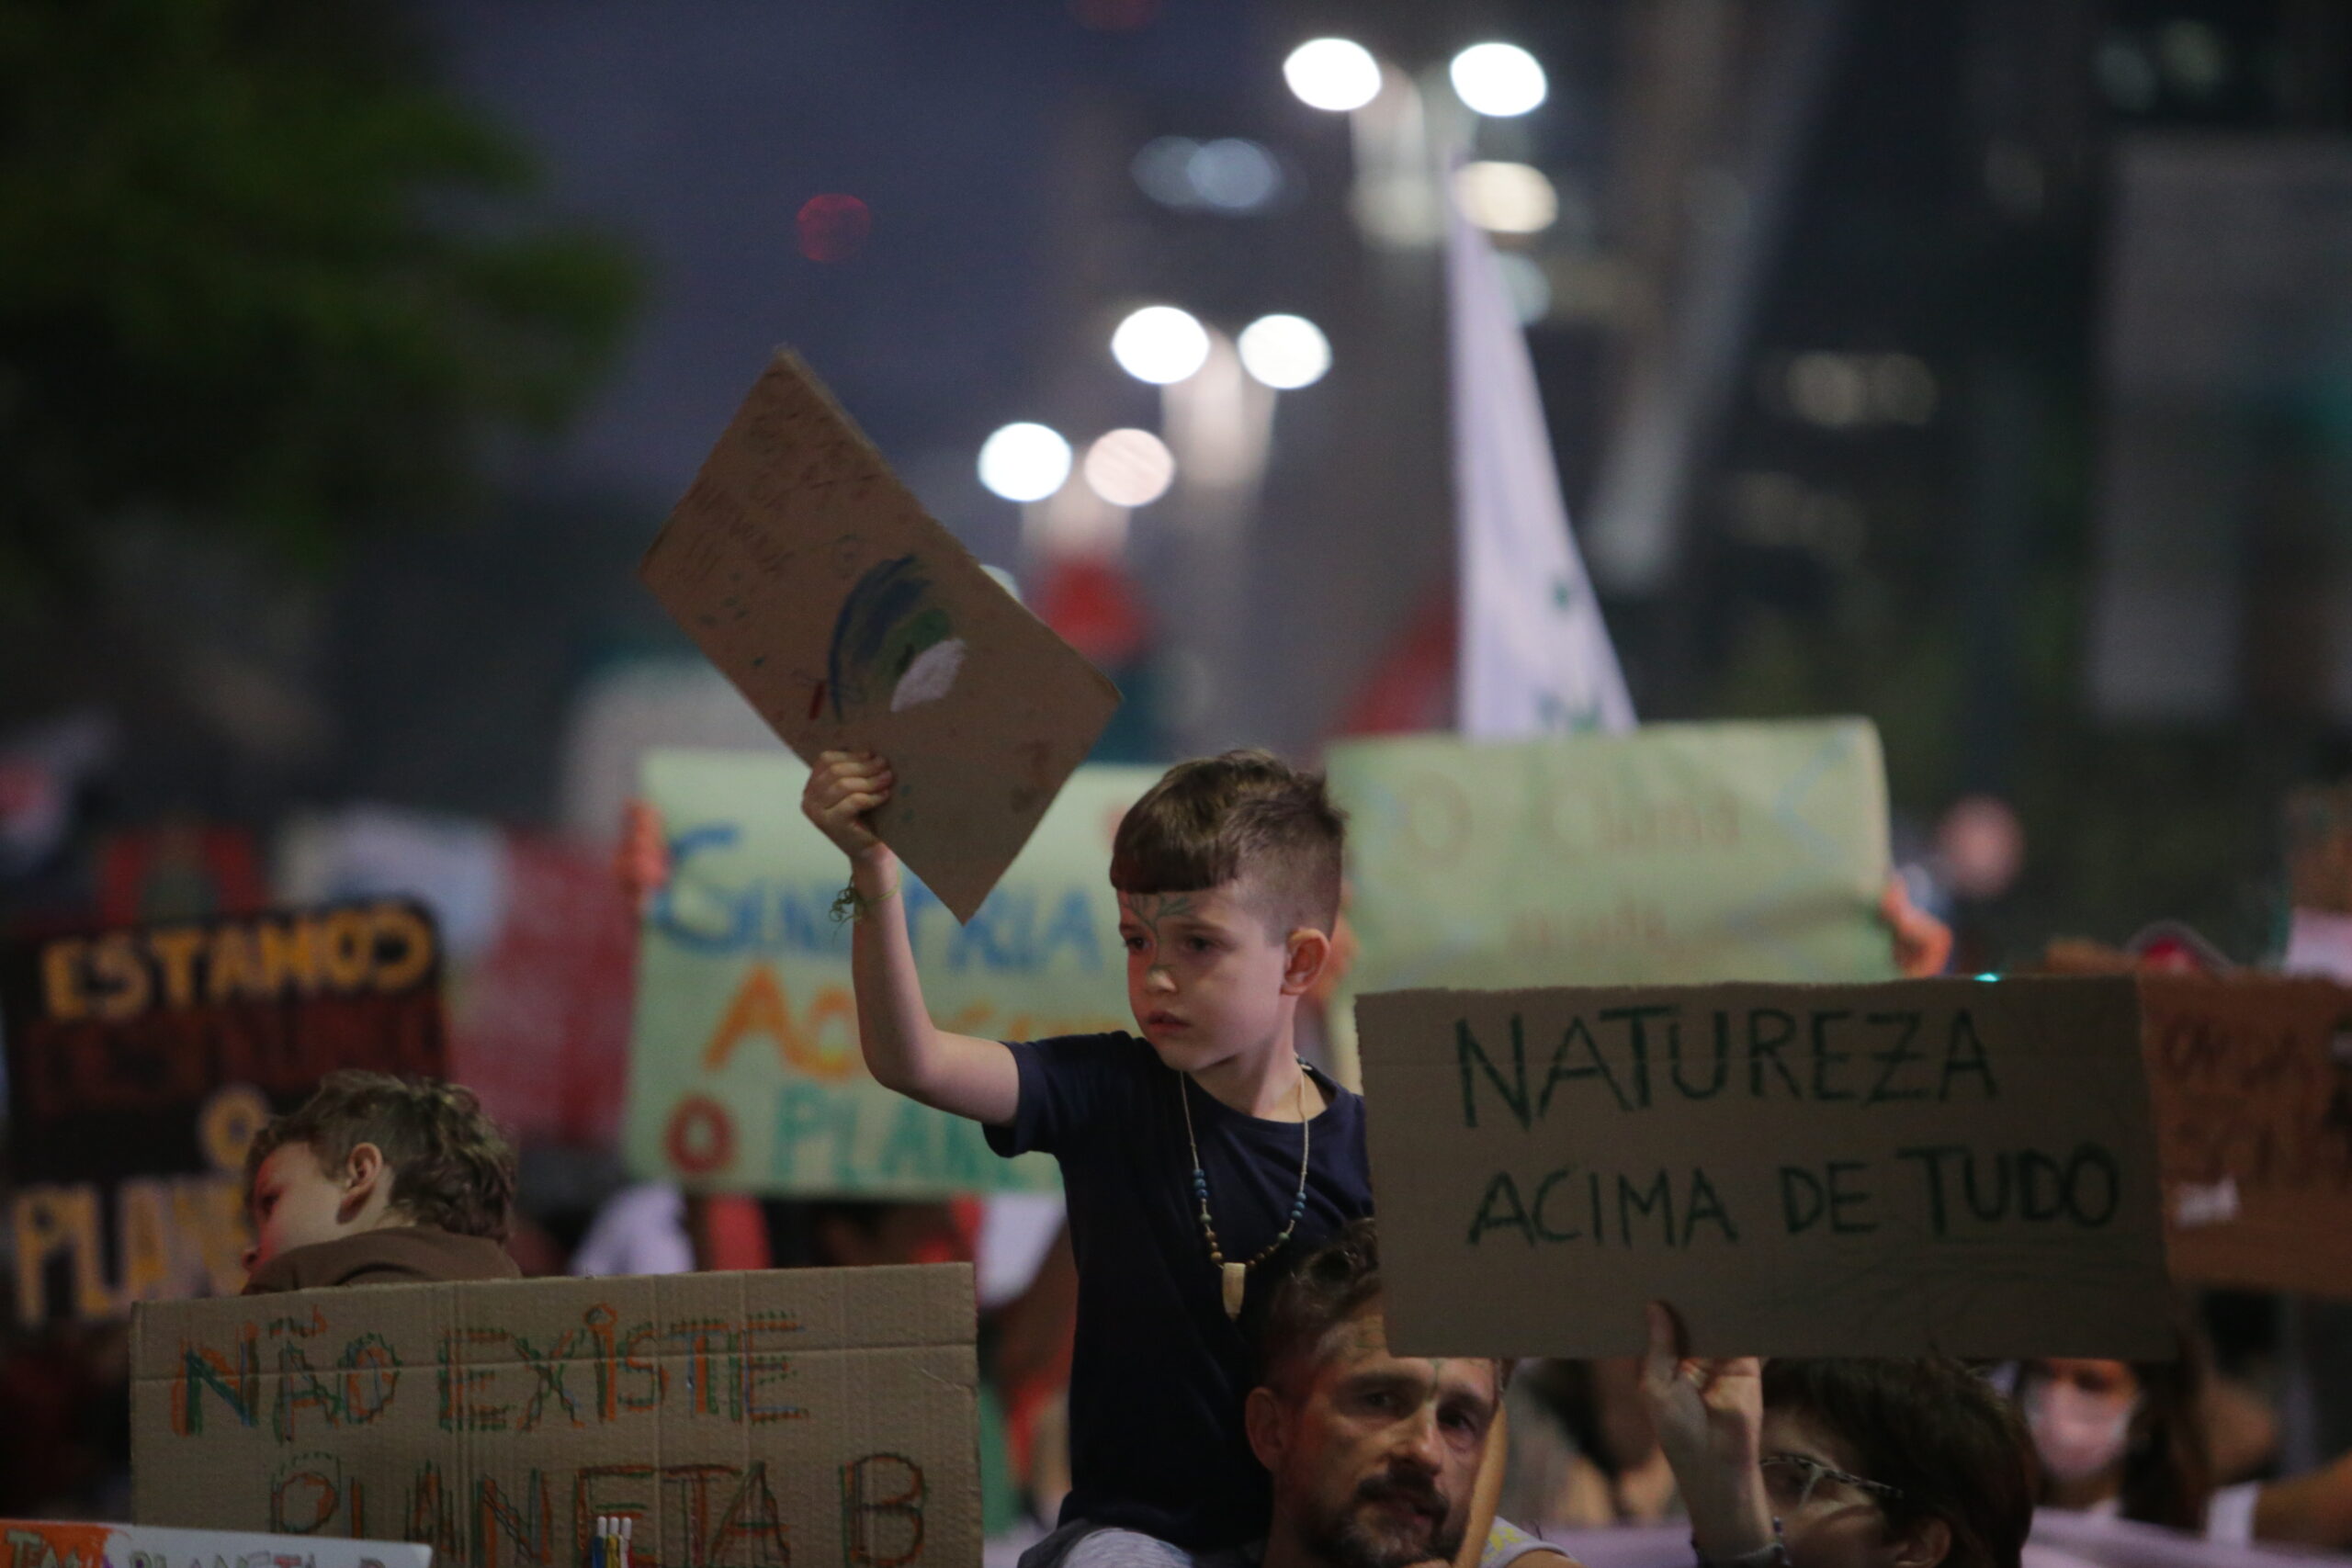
<point x="1804" y="1170"/>
<point x="740" y="1420"/>
<point x="817" y="585"/>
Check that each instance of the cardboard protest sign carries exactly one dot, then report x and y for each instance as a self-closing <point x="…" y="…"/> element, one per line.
<point x="816" y="583"/>
<point x="62" y="1543"/>
<point x="142" y="1059"/>
<point x="1803" y="1170"/>
<point x="746" y="1073"/>
<point x="2252" y="1090"/>
<point x="741" y="1420"/>
<point x="1680" y="852"/>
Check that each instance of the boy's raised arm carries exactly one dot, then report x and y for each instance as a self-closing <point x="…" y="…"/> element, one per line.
<point x="904" y="1051"/>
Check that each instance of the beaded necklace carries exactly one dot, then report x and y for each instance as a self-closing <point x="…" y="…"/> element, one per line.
<point x="1234" y="1277"/>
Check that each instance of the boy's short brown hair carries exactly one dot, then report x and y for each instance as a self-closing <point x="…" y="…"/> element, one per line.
<point x="1242" y="814"/>
<point x="451" y="1166"/>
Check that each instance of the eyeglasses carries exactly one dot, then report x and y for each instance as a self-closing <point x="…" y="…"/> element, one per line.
<point x="1788" y="1481"/>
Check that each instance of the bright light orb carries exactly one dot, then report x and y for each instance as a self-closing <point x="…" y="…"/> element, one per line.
<point x="1233" y="176"/>
<point x="1284" y="352"/>
<point x="1129" y="468"/>
<point x="1333" y="73"/>
<point x="1163" y="168"/>
<point x="1024" y="462"/>
<point x="1161" y="345"/>
<point x="1506" y="199"/>
<point x="1497" y="79"/>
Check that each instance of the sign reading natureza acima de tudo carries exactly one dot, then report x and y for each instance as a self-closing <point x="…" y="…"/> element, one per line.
<point x="1805" y="1170"/>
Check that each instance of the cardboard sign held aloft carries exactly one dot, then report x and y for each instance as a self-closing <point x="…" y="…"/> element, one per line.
<point x="1803" y="1170"/>
<point x="1679" y="852"/>
<point x="745" y="1420"/>
<point x="142" y="1059"/>
<point x="816" y="583"/>
<point x="2253" y="1100"/>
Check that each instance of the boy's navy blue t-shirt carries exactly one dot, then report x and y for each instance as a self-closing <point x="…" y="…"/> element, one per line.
<point x="1160" y="1373"/>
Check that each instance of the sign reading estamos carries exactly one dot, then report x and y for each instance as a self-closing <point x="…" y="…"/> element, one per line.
<point x="120" y="975"/>
<point x="1803" y="1170"/>
<point x="744" y="1420"/>
<point x="142" y="1059"/>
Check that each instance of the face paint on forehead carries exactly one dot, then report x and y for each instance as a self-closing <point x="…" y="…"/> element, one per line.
<point x="1150" y="909"/>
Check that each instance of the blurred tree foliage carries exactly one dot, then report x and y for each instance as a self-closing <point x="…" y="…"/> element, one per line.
<point x="260" y="276"/>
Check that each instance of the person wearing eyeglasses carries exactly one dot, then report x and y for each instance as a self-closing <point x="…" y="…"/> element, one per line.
<point x="1911" y="1463"/>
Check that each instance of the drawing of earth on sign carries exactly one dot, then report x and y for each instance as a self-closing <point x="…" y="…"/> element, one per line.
<point x="893" y="645"/>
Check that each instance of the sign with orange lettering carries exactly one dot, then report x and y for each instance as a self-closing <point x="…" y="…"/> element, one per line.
<point x="745" y="1069"/>
<point x="141" y="1060"/>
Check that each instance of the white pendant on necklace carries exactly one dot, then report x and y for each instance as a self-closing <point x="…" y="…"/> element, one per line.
<point x="1237" y="1275"/>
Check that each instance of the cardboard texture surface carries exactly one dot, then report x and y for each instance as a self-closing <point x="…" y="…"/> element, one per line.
<point x="746" y="1074"/>
<point x="141" y="1060"/>
<point x="1679" y="852"/>
<point x="62" y="1543"/>
<point x="816" y="583"/>
<point x="746" y="1420"/>
<point x="1803" y="1170"/>
<point x="2254" y="1125"/>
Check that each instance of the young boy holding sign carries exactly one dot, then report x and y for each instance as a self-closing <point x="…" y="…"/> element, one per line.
<point x="1191" y="1155"/>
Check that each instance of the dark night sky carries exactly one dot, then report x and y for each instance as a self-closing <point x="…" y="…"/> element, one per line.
<point x="698" y="130"/>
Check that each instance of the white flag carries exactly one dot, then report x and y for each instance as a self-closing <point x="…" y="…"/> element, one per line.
<point x="1535" y="659"/>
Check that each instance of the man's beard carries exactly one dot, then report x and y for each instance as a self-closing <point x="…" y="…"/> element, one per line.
<point x="1348" y="1538"/>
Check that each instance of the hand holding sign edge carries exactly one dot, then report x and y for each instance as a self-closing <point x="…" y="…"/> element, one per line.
<point x="1710" y="1419"/>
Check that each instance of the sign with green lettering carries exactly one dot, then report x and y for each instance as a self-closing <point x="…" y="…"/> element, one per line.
<point x="1678" y="853"/>
<point x="750" y="1419"/>
<point x="745" y="1071"/>
<point x="1950" y="1165"/>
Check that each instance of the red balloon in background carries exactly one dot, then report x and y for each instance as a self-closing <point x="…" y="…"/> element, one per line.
<point x="833" y="228"/>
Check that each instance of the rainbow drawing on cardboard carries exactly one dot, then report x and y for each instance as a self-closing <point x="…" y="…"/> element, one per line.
<point x="892" y="642"/>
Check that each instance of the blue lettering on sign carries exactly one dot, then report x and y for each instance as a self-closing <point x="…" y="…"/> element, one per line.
<point x="767" y="916"/>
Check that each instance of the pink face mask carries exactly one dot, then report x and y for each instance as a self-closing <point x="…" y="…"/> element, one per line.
<point x="2077" y="1434"/>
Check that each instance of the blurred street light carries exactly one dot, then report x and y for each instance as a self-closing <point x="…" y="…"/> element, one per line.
<point x="1129" y="468"/>
<point x="1333" y="73"/>
<point x="1163" y="168"/>
<point x="1284" y="352"/>
<point x="1234" y="175"/>
<point x="1160" y="343"/>
<point x="1024" y="462"/>
<point x="1498" y="79"/>
<point x="1229" y="174"/>
<point x="1506" y="199"/>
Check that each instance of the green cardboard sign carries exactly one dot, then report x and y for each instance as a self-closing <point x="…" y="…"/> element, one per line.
<point x="745" y="1069"/>
<point x="1678" y="853"/>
